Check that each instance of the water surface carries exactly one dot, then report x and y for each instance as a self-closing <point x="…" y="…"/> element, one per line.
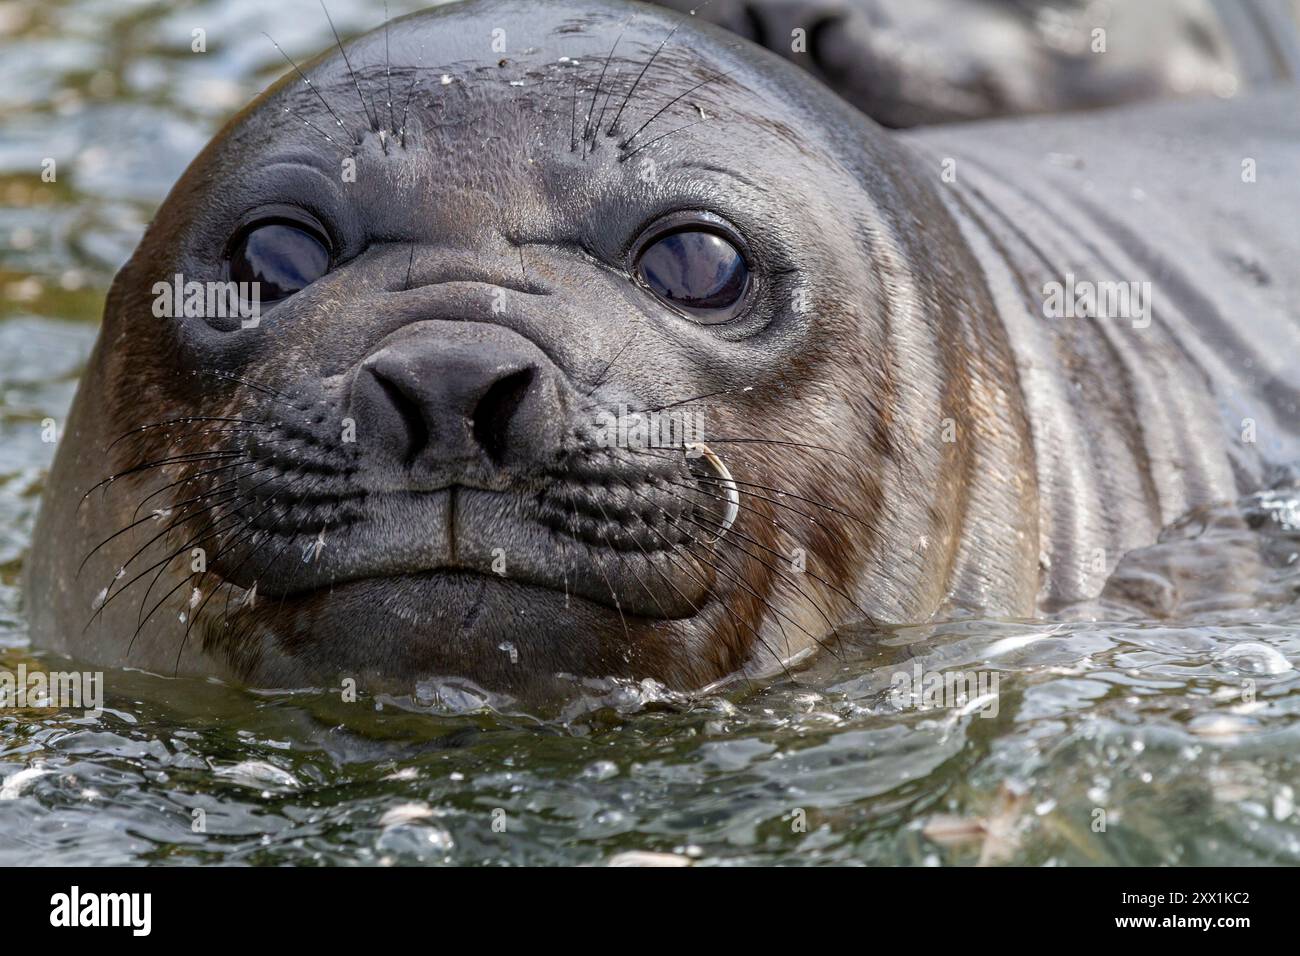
<point x="1178" y="735"/>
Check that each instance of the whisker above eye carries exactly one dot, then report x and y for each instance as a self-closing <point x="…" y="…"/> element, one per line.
<point x="374" y="120"/>
<point x="672" y="102"/>
<point x="613" y="125"/>
<point x="650" y="142"/>
<point x="586" y="127"/>
<point x="303" y="77"/>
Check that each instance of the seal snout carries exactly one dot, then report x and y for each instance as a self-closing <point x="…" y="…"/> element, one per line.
<point x="473" y="454"/>
<point x="449" y="396"/>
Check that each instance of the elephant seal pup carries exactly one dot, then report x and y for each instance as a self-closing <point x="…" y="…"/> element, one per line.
<point x="425" y="457"/>
<point x="920" y="62"/>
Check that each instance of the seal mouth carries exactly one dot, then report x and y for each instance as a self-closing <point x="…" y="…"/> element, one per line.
<point x="633" y="547"/>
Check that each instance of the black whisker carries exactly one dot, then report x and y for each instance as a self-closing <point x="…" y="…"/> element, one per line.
<point x="256" y="386"/>
<point x="673" y="456"/>
<point x="776" y="441"/>
<point x="162" y="566"/>
<point x="388" y="73"/>
<point x="623" y="564"/>
<point x="171" y="460"/>
<point x="782" y="573"/>
<point x="788" y="494"/>
<point x="674" y="549"/>
<point x="650" y="142"/>
<point x="182" y="421"/>
<point x="309" y="83"/>
<point x="737" y="578"/>
<point x="250" y="461"/>
<point x="157" y="516"/>
<point x="632" y="89"/>
<point x="573" y="118"/>
<point x="209" y="531"/>
<point x="374" y="120"/>
<point x="713" y="530"/>
<point x="686" y="401"/>
<point x="586" y="126"/>
<point x="618" y="605"/>
<point x="790" y="508"/>
<point x="326" y="136"/>
<point x="234" y="496"/>
<point x="230" y="546"/>
<point x="407" y="106"/>
<point x="733" y="531"/>
<point x="667" y="106"/>
<point x="600" y="379"/>
<point x="603" y="107"/>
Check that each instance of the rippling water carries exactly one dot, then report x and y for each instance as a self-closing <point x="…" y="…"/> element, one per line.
<point x="1112" y="739"/>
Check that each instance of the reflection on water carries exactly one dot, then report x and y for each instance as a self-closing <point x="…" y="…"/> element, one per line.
<point x="1112" y="738"/>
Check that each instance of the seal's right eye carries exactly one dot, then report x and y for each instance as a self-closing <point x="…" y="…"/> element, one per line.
<point x="282" y="257"/>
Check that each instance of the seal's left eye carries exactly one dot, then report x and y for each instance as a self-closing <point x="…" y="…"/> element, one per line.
<point x="282" y="257"/>
<point x="699" y="272"/>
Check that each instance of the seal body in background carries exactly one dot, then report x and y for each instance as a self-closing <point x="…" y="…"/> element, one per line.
<point x="920" y="62"/>
<point x="564" y="217"/>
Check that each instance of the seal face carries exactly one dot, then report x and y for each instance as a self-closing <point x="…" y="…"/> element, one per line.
<point x="474" y="268"/>
<point x="480" y="270"/>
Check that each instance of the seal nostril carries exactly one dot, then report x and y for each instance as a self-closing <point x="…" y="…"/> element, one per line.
<point x="412" y="419"/>
<point x="496" y="410"/>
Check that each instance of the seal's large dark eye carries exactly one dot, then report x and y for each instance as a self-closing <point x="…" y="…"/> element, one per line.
<point x="698" y="271"/>
<point x="283" y="257"/>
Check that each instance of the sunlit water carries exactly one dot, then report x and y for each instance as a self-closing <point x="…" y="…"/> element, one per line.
<point x="1115" y="740"/>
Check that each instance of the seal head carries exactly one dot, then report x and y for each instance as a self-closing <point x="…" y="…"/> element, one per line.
<point x="489" y="241"/>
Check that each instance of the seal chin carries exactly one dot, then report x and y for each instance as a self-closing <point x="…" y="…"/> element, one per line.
<point x="497" y="632"/>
